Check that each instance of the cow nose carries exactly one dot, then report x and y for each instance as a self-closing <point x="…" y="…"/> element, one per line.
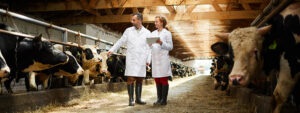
<point x="6" y="72"/>
<point x="99" y="59"/>
<point x="104" y="71"/>
<point x="235" y="82"/>
<point x="235" y="79"/>
<point x="80" y="71"/>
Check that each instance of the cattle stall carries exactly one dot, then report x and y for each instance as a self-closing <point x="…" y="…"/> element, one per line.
<point x="156" y="56"/>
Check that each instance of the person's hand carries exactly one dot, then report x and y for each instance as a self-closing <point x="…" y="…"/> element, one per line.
<point x="159" y="41"/>
<point x="109" y="53"/>
<point x="147" y="64"/>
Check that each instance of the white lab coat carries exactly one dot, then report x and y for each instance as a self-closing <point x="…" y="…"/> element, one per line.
<point x="138" y="52"/>
<point x="161" y="66"/>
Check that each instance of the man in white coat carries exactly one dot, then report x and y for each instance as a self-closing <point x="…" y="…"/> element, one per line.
<point x="138" y="56"/>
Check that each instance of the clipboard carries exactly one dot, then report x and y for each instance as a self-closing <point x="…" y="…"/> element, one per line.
<point x="151" y="40"/>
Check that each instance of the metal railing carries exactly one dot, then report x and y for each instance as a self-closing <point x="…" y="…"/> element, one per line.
<point x="64" y="30"/>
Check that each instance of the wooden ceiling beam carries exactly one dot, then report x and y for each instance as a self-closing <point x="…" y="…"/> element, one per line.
<point x="246" y="6"/>
<point x="216" y="6"/>
<point x="103" y="4"/>
<point x="150" y="17"/>
<point x="229" y="5"/>
<point x="121" y="11"/>
<point x="135" y="10"/>
<point x="108" y="12"/>
<point x="170" y="8"/>
<point x="191" y="8"/>
<point x="146" y="10"/>
<point x="88" y="7"/>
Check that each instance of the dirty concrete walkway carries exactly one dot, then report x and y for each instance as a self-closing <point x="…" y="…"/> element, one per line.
<point x="187" y="95"/>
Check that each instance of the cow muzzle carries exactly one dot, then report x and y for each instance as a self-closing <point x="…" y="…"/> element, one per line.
<point x="237" y="79"/>
<point x="103" y="71"/>
<point x="4" y="72"/>
<point x="80" y="71"/>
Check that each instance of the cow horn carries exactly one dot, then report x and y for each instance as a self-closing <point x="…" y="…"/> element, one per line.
<point x="223" y="36"/>
<point x="264" y="30"/>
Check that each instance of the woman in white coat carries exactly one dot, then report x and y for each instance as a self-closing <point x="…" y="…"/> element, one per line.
<point x="161" y="67"/>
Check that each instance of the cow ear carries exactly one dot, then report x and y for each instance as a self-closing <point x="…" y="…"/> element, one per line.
<point x="39" y="38"/>
<point x="37" y="42"/>
<point x="264" y="30"/>
<point x="97" y="45"/>
<point x="223" y="36"/>
<point x="220" y="48"/>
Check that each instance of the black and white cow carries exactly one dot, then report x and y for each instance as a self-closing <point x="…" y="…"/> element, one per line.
<point x="116" y="67"/>
<point x="24" y="56"/>
<point x="100" y="68"/>
<point x="71" y="69"/>
<point x="256" y="55"/>
<point x="4" y="69"/>
<point x="88" y="57"/>
<point x="223" y="66"/>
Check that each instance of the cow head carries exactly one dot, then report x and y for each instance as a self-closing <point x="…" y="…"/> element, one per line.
<point x="44" y="54"/>
<point x="103" y="64"/>
<point x="244" y="45"/>
<point x="89" y="55"/>
<point x="4" y="69"/>
<point x="72" y="69"/>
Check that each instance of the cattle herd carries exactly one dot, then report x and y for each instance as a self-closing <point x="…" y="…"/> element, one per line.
<point x="182" y="70"/>
<point x="266" y="59"/>
<point x="41" y="62"/>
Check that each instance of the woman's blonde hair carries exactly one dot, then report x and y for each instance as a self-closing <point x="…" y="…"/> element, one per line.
<point x="163" y="20"/>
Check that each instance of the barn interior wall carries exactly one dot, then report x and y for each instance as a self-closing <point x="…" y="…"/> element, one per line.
<point x="29" y="28"/>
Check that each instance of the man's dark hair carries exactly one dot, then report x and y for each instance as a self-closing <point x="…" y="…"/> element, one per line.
<point x="138" y="15"/>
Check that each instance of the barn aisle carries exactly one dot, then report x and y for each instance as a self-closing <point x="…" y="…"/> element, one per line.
<point x="187" y="95"/>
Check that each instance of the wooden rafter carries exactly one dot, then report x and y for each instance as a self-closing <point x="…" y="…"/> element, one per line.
<point x="146" y="10"/>
<point x="108" y="12"/>
<point x="135" y="10"/>
<point x="120" y="11"/>
<point x="170" y="8"/>
<point x="229" y="5"/>
<point x="216" y="6"/>
<point x="191" y="8"/>
<point x="88" y="7"/>
<point x="150" y="17"/>
<point x="102" y="4"/>
<point x="246" y="6"/>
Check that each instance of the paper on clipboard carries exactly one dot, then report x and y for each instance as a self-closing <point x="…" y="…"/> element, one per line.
<point x="151" y="40"/>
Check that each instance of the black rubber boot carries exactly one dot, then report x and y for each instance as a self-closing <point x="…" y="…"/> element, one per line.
<point x="165" y="90"/>
<point x="130" y="89"/>
<point x="138" y="94"/>
<point x="159" y="92"/>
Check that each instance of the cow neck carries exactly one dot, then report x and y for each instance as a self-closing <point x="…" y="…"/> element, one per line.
<point x="16" y="54"/>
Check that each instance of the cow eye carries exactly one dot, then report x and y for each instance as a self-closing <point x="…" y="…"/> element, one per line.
<point x="255" y="52"/>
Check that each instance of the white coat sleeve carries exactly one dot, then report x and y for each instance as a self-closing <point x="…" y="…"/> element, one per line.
<point x="168" y="44"/>
<point x="120" y="42"/>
